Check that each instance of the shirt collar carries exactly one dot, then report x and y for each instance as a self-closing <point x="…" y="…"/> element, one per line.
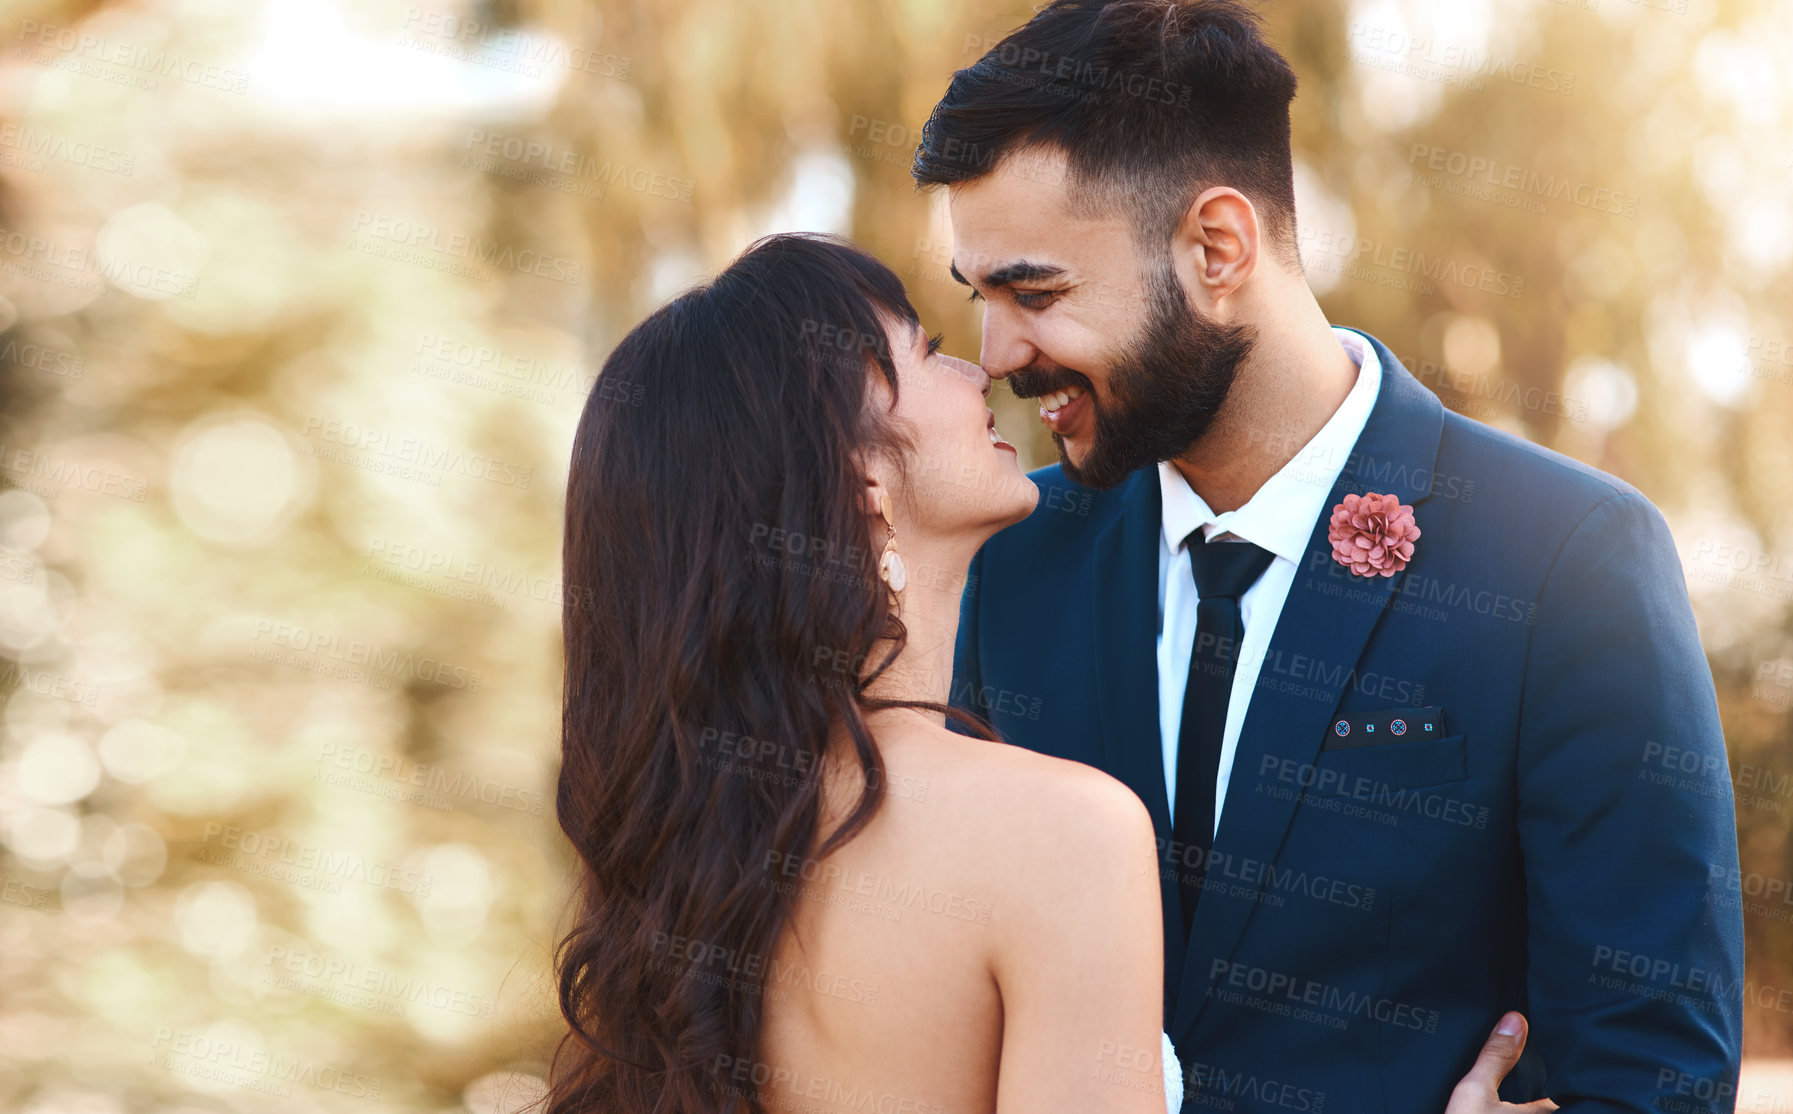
<point x="1280" y="515"/>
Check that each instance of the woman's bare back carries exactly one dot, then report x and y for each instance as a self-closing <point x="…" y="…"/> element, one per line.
<point x="1000" y="906"/>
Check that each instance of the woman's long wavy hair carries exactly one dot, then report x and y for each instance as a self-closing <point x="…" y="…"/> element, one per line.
<point x="722" y="611"/>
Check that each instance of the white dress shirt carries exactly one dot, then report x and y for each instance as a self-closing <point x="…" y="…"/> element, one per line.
<point x="1279" y="517"/>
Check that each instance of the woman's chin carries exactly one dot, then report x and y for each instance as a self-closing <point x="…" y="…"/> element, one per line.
<point x="1027" y="498"/>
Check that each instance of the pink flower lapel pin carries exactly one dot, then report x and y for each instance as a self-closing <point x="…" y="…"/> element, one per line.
<point x="1372" y="535"/>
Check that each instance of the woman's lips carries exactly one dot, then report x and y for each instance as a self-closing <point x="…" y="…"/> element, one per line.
<point x="996" y="441"/>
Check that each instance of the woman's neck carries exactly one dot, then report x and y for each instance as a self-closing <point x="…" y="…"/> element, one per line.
<point x="929" y="609"/>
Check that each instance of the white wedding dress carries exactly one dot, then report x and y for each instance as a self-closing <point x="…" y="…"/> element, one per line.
<point x="1173" y="1077"/>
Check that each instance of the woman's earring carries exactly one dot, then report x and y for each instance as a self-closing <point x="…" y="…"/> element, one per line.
<point x="890" y="566"/>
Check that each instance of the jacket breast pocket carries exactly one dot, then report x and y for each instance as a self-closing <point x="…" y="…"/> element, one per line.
<point x="1367" y="771"/>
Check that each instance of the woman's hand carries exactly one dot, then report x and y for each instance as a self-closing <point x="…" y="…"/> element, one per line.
<point x="1478" y="1092"/>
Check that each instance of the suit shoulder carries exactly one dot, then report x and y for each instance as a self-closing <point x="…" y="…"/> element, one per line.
<point x="1502" y="462"/>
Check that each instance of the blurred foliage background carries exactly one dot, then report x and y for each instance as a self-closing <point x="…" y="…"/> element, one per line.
<point x="301" y="299"/>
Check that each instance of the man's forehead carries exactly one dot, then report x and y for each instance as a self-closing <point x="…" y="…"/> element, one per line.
<point x="1004" y="226"/>
<point x="997" y="244"/>
<point x="1023" y="183"/>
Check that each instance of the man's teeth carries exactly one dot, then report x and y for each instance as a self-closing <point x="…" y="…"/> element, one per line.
<point x="995" y="437"/>
<point x="1057" y="400"/>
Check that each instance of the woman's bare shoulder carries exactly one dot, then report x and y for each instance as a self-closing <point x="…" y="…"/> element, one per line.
<point x="1027" y="812"/>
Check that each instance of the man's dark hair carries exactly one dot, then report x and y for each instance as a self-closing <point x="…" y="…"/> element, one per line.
<point x="1152" y="101"/>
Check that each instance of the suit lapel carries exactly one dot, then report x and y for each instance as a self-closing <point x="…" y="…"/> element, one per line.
<point x="1395" y="453"/>
<point x="1125" y="635"/>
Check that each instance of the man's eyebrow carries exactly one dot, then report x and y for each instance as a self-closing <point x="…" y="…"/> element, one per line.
<point x="1021" y="271"/>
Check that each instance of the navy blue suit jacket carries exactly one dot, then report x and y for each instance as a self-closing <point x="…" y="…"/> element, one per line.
<point x="1371" y="910"/>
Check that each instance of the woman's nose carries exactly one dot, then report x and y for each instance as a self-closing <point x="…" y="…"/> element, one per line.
<point x="970" y="371"/>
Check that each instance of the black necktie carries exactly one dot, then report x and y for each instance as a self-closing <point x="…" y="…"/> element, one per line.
<point x="1223" y="571"/>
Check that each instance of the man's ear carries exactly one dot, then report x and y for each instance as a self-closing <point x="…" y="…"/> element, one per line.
<point x="1215" y="247"/>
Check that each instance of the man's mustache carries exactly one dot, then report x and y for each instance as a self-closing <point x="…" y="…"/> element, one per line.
<point x="1033" y="382"/>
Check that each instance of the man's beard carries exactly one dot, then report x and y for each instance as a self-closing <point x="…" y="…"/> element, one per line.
<point x="1164" y="390"/>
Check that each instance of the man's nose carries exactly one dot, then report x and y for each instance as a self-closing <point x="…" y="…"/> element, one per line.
<point x="1004" y="351"/>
